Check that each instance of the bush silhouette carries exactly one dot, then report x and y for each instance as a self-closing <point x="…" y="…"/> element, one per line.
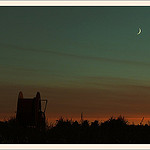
<point x="119" y="122"/>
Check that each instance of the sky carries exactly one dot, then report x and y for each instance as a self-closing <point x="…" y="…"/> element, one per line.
<point x="81" y="59"/>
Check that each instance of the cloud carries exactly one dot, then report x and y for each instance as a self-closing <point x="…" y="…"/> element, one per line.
<point x="94" y="58"/>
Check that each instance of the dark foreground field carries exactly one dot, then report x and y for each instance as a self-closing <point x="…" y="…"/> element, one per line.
<point x="112" y="131"/>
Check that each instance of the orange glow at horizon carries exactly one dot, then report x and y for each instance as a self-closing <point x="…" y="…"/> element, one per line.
<point x="52" y="120"/>
<point x="130" y="121"/>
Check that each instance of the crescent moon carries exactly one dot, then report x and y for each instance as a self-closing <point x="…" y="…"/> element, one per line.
<point x="139" y="31"/>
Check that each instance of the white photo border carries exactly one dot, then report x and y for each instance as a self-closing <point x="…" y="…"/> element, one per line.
<point x="73" y="3"/>
<point x="75" y="146"/>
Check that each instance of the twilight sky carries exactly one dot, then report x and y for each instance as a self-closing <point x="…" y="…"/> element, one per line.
<point x="82" y="59"/>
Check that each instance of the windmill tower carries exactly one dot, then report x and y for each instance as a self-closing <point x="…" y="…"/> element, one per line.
<point x="29" y="111"/>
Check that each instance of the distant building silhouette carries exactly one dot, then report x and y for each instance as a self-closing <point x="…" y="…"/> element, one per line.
<point x="29" y="112"/>
<point x="82" y="117"/>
